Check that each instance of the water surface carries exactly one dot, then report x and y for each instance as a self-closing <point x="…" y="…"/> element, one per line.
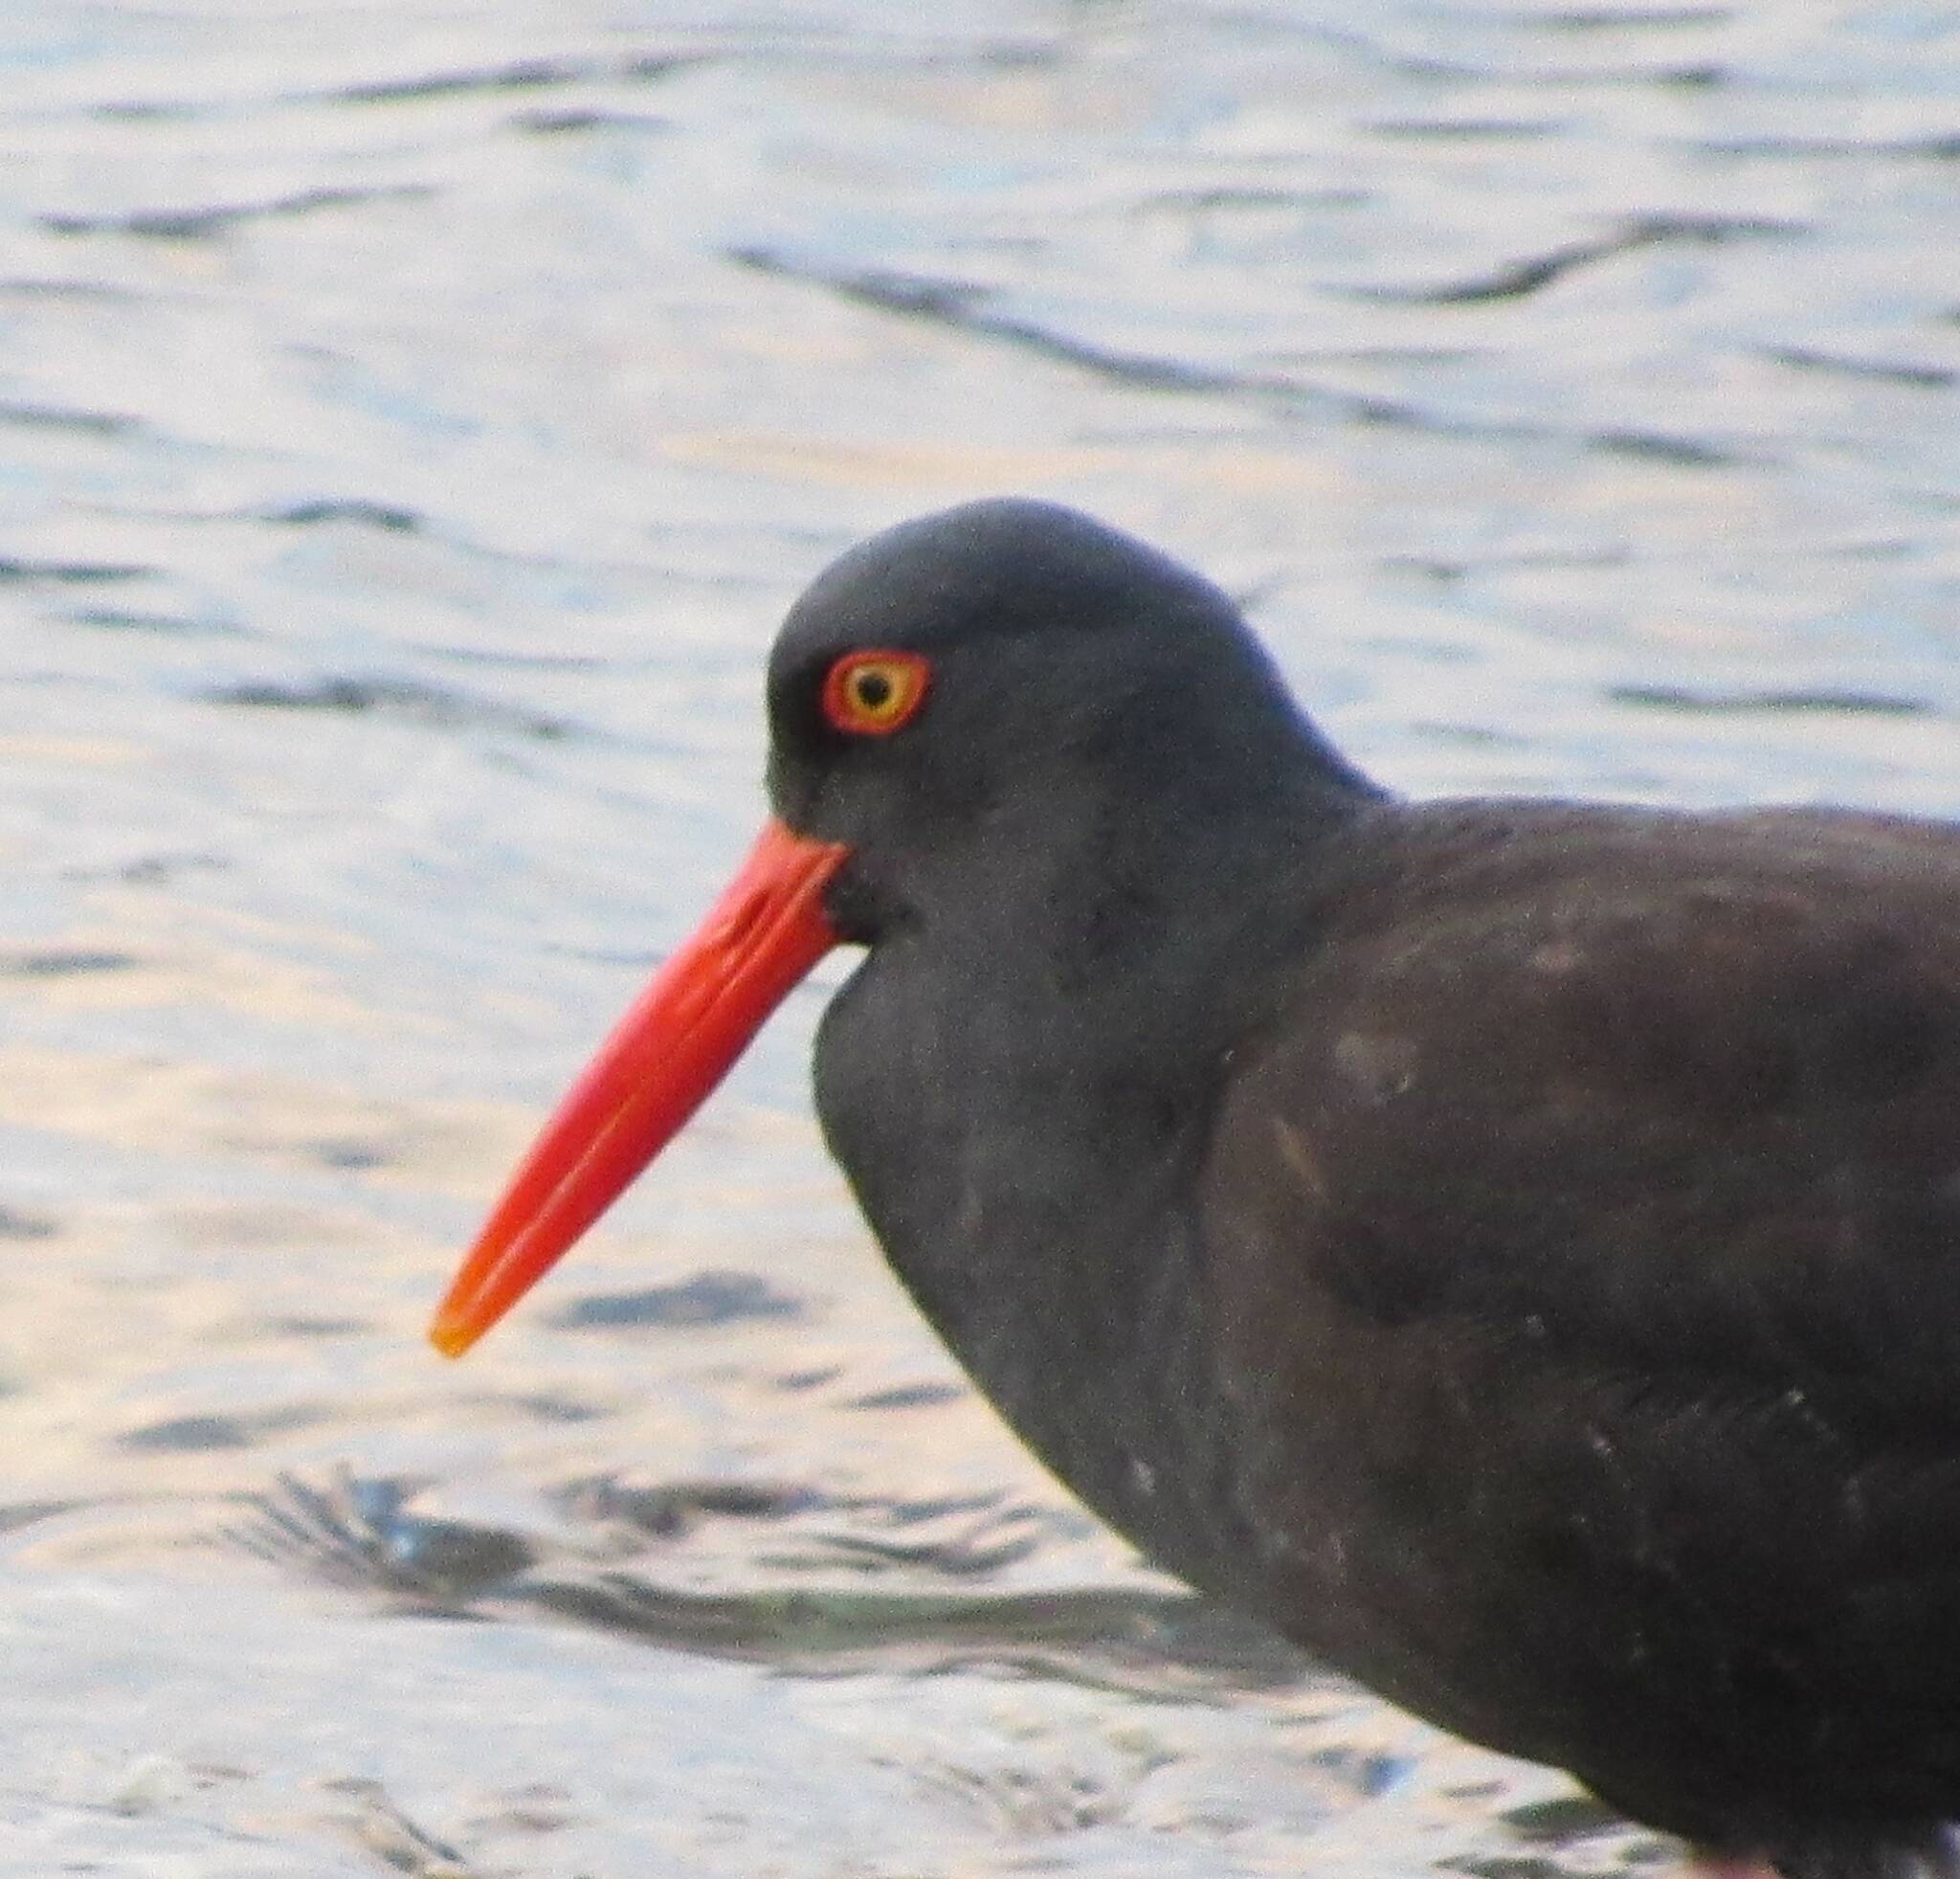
<point x="412" y="423"/>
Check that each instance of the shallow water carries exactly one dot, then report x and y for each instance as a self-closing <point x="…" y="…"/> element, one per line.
<point x="412" y="422"/>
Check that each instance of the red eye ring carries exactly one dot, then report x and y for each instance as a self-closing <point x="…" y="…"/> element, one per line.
<point x="870" y="692"/>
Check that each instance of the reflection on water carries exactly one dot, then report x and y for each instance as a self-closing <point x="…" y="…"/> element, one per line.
<point x="411" y="428"/>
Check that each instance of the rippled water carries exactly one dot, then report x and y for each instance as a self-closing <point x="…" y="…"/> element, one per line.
<point x="412" y="421"/>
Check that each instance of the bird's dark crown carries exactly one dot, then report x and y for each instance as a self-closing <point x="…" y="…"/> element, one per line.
<point x="1074" y="673"/>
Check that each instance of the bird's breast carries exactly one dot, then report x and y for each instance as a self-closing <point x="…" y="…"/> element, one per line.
<point x="1041" y="1208"/>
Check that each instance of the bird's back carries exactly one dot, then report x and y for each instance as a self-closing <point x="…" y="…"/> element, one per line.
<point x="1584" y="1246"/>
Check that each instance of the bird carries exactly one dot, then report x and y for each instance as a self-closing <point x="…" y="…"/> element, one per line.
<point x="1510" y="1247"/>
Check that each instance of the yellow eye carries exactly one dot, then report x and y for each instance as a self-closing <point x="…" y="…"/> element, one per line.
<point x="874" y="692"/>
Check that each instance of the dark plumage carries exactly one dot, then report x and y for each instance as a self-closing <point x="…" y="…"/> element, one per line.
<point x="1511" y="1247"/>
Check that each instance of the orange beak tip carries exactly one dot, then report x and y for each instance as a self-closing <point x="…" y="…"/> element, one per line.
<point x="451" y="1338"/>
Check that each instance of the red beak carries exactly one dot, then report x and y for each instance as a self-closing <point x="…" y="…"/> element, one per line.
<point x="676" y="1042"/>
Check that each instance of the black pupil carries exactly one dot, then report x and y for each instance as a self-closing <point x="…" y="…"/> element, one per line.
<point x="874" y="690"/>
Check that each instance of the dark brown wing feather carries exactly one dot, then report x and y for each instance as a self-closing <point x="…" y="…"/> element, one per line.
<point x="1613" y="1162"/>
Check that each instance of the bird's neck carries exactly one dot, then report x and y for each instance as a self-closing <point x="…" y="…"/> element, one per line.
<point x="1022" y="1100"/>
